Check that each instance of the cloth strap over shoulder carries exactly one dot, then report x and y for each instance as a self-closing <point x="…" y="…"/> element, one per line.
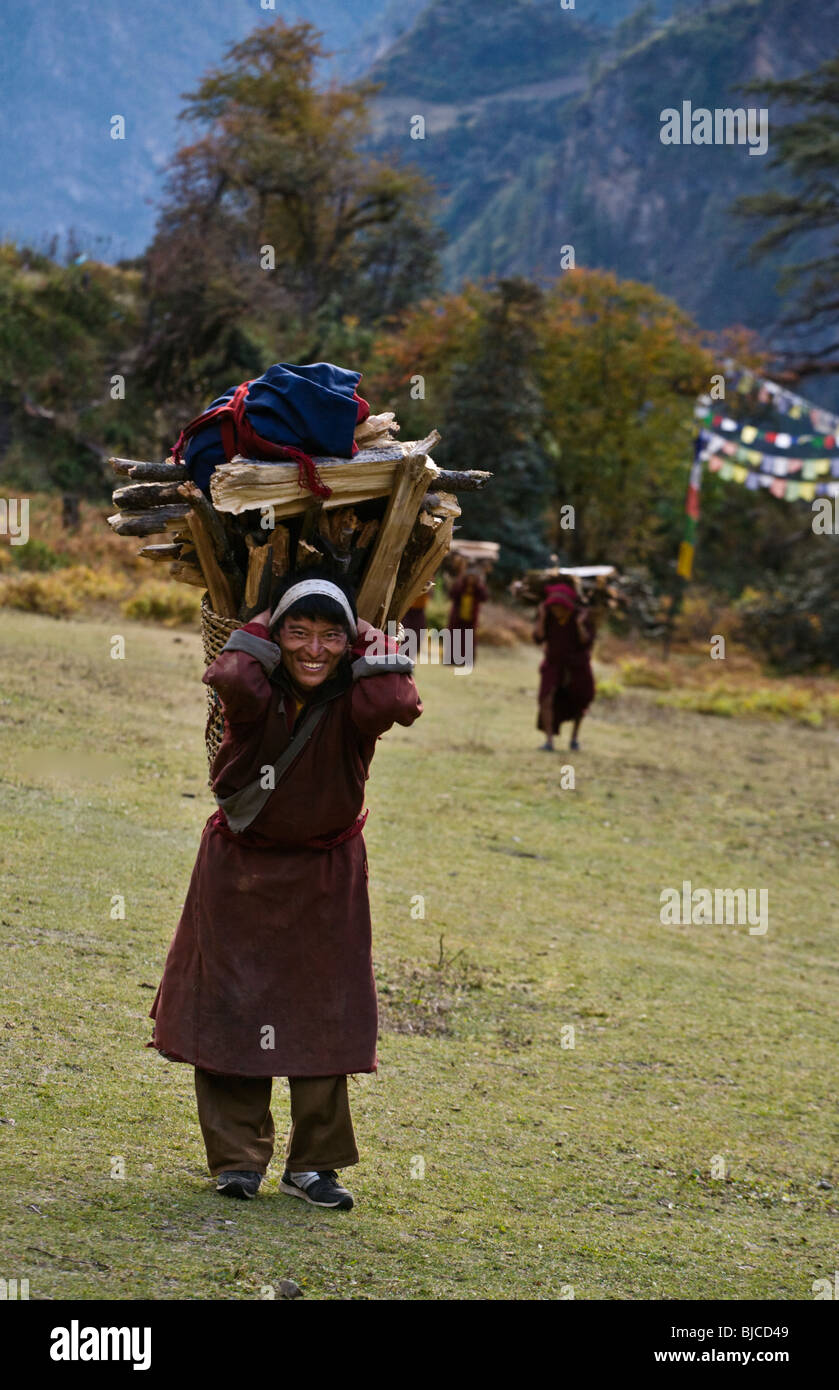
<point x="382" y="664"/>
<point x="242" y="807"/>
<point x="267" y="653"/>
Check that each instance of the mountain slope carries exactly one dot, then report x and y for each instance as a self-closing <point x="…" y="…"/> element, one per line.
<point x="525" y="172"/>
<point x="67" y="66"/>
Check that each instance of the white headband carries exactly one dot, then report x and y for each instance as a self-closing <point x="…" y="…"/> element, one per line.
<point x="314" y="586"/>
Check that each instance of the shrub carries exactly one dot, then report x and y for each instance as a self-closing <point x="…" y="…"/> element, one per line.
<point x="782" y="702"/>
<point x="795" y="623"/>
<point x="39" y="593"/>
<point x="642" y="673"/>
<point x="37" y="555"/>
<point x="702" y="615"/>
<point x="167" y="603"/>
<point x="61" y="592"/>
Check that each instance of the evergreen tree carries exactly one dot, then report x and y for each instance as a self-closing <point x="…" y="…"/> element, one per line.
<point x="808" y="151"/>
<point x="496" y="423"/>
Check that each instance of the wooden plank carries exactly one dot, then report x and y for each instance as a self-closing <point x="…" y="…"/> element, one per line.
<point x="415" y="474"/>
<point x="211" y="522"/>
<point x="280" y="545"/>
<point x="417" y="547"/>
<point x="257" y="555"/>
<point x="244" y="485"/>
<point x="419" y="578"/>
<point x="216" y="581"/>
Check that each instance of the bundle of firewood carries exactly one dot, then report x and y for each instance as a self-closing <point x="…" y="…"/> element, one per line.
<point x="387" y="523"/>
<point x="480" y="554"/>
<point x="598" y="586"/>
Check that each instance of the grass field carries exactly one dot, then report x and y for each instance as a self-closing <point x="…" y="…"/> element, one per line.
<point x="498" y="1161"/>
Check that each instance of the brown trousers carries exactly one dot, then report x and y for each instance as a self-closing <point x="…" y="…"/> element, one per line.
<point x="238" y="1128"/>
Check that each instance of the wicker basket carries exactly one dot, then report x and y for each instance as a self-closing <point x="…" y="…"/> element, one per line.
<point x="215" y="631"/>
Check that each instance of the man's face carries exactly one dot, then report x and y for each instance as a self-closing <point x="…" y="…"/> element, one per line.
<point x="311" y="648"/>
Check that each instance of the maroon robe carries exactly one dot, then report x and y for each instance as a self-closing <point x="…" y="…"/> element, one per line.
<point x="566" y="670"/>
<point x="270" y="970"/>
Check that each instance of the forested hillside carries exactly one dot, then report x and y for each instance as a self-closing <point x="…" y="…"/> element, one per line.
<point x="544" y="132"/>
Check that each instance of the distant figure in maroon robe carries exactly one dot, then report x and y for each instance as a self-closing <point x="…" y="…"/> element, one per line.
<point x="566" y="688"/>
<point x="467" y="593"/>
<point x="414" y="619"/>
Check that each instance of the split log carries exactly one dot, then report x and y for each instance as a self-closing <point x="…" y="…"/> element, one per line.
<point x="215" y="580"/>
<point x="211" y="523"/>
<point x="187" y="574"/>
<point x="138" y="496"/>
<point x="344" y="532"/>
<point x="414" y="476"/>
<point x="420" y="577"/>
<point x="422" y="446"/>
<point x="267" y="569"/>
<point x="339" y="526"/>
<point x="413" y="558"/>
<point x="280" y="550"/>
<point x="367" y="535"/>
<point x="170" y="551"/>
<point x="376" y="429"/>
<point x="243" y="485"/>
<point x="257" y="559"/>
<point x="476" y="550"/>
<point x="336" y="532"/>
<point x="441" y="504"/>
<point x="267" y="584"/>
<point x="150" y="472"/>
<point x="149" y="523"/>
<point x="306" y="556"/>
<point x="469" y="480"/>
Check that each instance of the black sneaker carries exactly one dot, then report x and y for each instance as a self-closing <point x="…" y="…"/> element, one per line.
<point x="238" y="1184"/>
<point x="322" y="1190"/>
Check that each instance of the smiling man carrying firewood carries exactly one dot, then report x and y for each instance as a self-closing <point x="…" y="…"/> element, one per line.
<point x="270" y="970"/>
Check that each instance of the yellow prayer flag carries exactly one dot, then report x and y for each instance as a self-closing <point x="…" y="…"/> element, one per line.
<point x="740" y="474"/>
<point x="807" y="491"/>
<point x="748" y="433"/>
<point x="684" y="565"/>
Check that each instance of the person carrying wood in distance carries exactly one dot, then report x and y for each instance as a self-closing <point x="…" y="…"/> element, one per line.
<point x="566" y="689"/>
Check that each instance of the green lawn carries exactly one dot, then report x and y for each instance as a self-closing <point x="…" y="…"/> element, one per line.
<point x="548" y="1170"/>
